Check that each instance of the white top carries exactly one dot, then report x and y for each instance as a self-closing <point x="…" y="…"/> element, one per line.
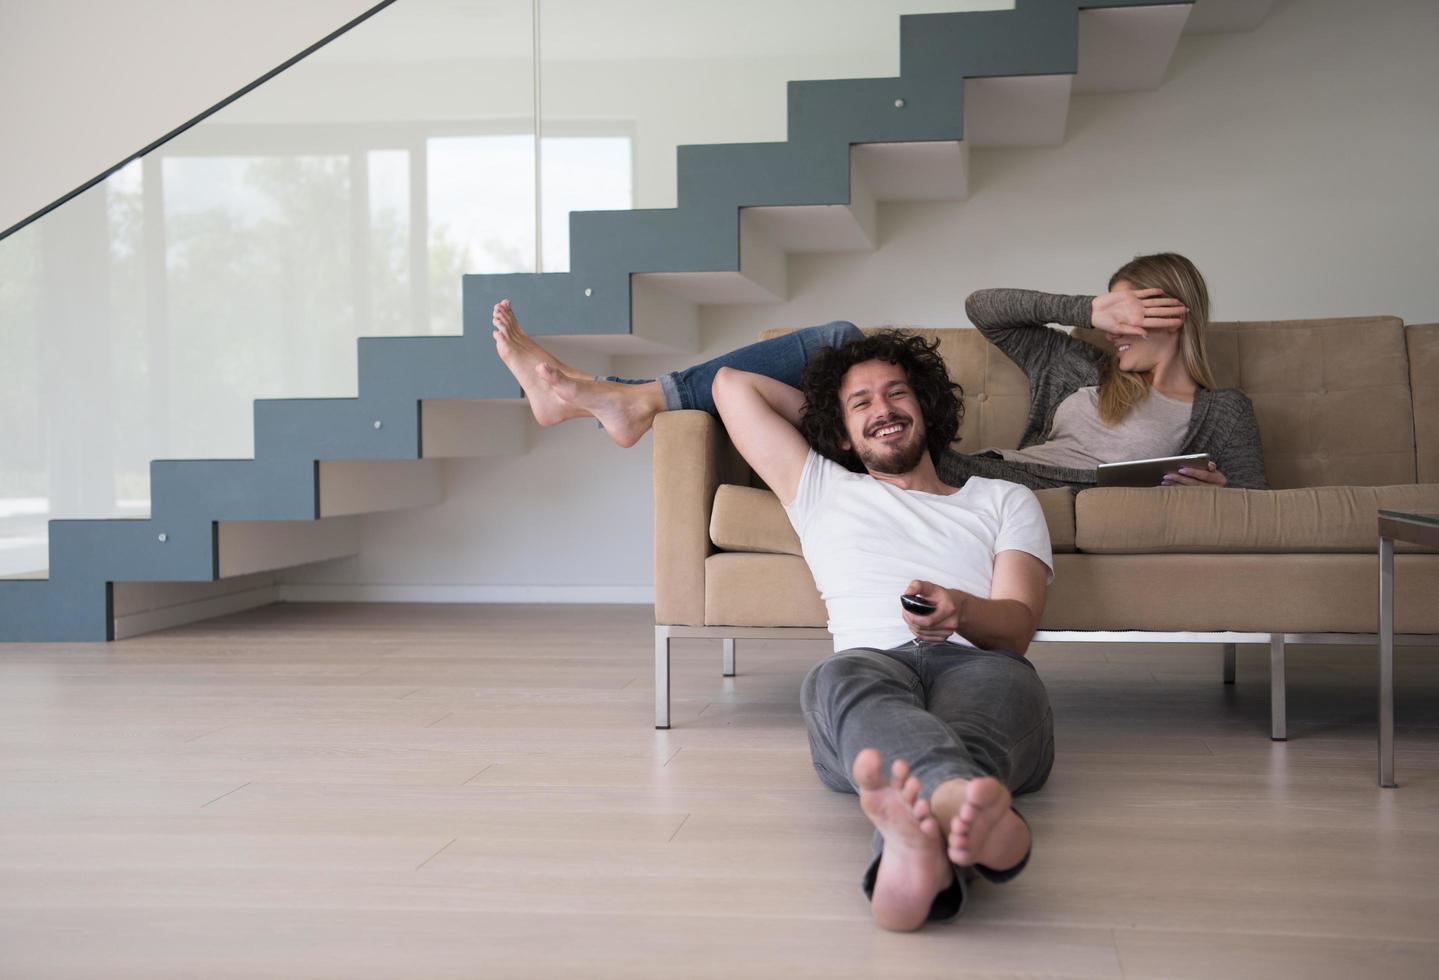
<point x="865" y="540"/>
<point x="1080" y="439"/>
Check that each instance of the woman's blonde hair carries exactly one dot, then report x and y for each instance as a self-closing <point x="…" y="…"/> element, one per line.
<point x="1120" y="391"/>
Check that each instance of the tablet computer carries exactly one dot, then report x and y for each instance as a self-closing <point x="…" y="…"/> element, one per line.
<point x="1147" y="472"/>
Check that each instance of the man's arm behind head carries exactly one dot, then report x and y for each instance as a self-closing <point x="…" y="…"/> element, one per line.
<point x="761" y="416"/>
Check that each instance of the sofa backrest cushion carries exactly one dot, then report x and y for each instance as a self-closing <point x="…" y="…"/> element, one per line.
<point x="1332" y="397"/>
<point x="1423" y="341"/>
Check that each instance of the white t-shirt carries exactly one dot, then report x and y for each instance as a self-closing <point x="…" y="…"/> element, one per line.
<point x="865" y="540"/>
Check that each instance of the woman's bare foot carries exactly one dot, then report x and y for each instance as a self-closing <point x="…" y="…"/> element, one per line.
<point x="523" y="356"/>
<point x="982" y="828"/>
<point x="625" y="411"/>
<point x="913" y="868"/>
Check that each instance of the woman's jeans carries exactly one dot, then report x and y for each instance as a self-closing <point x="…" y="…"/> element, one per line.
<point x="782" y="358"/>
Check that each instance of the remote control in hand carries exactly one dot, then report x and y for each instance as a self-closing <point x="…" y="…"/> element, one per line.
<point x="918" y="605"/>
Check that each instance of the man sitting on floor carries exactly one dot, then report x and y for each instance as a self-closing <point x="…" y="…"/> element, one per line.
<point x="945" y="699"/>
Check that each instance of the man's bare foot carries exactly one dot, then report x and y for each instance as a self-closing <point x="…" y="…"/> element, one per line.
<point x="625" y="411"/>
<point x="523" y="356"/>
<point x="980" y="825"/>
<point x="913" y="868"/>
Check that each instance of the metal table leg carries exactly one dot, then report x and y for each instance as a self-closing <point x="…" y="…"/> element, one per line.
<point x="1386" y="662"/>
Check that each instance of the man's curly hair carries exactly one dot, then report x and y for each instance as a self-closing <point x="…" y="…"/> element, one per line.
<point x="940" y="400"/>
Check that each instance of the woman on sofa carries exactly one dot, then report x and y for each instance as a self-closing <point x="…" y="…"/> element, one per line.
<point x="1154" y="396"/>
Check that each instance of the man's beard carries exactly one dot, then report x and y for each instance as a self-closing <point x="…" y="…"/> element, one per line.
<point x="892" y="460"/>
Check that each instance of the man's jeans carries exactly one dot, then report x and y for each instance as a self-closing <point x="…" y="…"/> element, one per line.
<point x="950" y="711"/>
<point x="782" y="358"/>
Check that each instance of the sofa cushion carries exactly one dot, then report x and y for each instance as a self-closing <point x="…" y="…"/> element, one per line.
<point x="1159" y="520"/>
<point x="1248" y="593"/>
<point x="1423" y="341"/>
<point x="751" y="520"/>
<point x="761" y="590"/>
<point x="1058" y="507"/>
<point x="1258" y="593"/>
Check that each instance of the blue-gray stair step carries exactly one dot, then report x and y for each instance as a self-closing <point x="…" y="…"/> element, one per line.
<point x="282" y="489"/>
<point x="78" y="609"/>
<point x="609" y="243"/>
<point x="337" y="428"/>
<point x="419" y="368"/>
<point x="1099" y="4"/>
<point x="1037" y="37"/>
<point x="737" y="175"/>
<point x="838" y="112"/>
<point x="551" y="303"/>
<point x="134" y="550"/>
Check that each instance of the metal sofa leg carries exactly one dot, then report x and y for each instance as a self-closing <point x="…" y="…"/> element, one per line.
<point x="1230" y="651"/>
<point x="729" y="657"/>
<point x="662" y="677"/>
<point x="1386" y="662"/>
<point x="1277" y="728"/>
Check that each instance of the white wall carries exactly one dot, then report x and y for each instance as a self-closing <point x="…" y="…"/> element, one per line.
<point x="86" y="84"/>
<point x="1295" y="164"/>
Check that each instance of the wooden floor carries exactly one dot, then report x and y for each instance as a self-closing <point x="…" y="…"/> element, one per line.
<point x="476" y="791"/>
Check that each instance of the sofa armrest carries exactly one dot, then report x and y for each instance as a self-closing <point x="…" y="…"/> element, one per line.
<point x="692" y="457"/>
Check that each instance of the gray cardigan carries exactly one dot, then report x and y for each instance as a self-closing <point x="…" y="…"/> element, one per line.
<point x="1221" y="423"/>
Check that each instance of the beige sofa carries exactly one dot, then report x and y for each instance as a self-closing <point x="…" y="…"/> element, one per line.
<point x="1349" y="414"/>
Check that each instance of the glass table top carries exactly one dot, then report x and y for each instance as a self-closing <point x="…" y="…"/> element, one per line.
<point x="1408" y="517"/>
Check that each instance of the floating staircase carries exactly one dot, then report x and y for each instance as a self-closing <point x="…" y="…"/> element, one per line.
<point x="967" y="81"/>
